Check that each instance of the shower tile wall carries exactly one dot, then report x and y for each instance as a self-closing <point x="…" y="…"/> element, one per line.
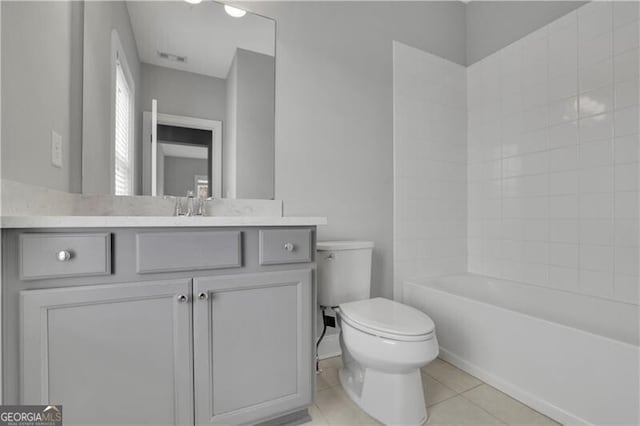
<point x="430" y="211"/>
<point x="553" y="155"/>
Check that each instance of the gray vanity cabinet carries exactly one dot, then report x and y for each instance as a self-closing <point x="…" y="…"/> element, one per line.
<point x="252" y="346"/>
<point x="111" y="354"/>
<point x="161" y="326"/>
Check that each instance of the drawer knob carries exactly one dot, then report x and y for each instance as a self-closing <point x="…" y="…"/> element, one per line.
<point x="182" y="298"/>
<point x="64" y="255"/>
<point x="289" y="246"/>
<point x="203" y="296"/>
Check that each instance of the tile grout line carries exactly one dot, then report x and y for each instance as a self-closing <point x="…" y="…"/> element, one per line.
<point x="461" y="394"/>
<point x="456" y="393"/>
<point x="483" y="409"/>
<point x="453" y="390"/>
<point x="468" y="400"/>
<point x="508" y="396"/>
<point x="440" y="402"/>
<point x="324" y="417"/>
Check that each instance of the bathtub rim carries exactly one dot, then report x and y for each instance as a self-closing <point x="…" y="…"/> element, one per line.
<point x="423" y="282"/>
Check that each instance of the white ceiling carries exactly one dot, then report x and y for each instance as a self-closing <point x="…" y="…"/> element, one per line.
<point x="204" y="33"/>
<point x="183" y="151"/>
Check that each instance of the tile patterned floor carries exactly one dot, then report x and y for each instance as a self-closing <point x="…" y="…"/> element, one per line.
<point x="453" y="397"/>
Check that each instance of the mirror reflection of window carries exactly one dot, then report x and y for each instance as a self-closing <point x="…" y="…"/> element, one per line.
<point x="122" y="161"/>
<point x="123" y="110"/>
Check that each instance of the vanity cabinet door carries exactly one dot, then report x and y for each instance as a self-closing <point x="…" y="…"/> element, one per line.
<point x="110" y="354"/>
<point x="252" y="346"/>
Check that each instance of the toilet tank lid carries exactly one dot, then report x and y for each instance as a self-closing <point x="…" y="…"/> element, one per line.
<point x="343" y="245"/>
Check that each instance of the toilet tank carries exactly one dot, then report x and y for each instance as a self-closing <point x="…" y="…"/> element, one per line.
<point x="344" y="271"/>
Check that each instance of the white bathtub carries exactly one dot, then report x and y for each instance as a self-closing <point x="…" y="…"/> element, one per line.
<point x="574" y="358"/>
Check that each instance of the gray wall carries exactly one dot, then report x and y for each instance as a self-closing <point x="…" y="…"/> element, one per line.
<point x="254" y="124"/>
<point x="334" y="109"/>
<point x="492" y="25"/>
<point x="100" y="18"/>
<point x="183" y="93"/>
<point x="229" y="147"/>
<point x="42" y="91"/>
<point x="179" y="174"/>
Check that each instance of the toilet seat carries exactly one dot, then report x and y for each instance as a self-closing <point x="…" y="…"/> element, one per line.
<point x="388" y="319"/>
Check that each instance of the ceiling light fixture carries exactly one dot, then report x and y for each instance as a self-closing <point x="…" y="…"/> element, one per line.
<point x="193" y="1"/>
<point x="234" y="11"/>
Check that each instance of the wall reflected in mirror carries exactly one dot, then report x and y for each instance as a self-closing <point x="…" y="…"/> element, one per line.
<point x="88" y="74"/>
<point x="42" y="93"/>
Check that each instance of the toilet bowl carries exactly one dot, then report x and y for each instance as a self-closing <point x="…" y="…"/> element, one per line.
<point x="384" y="344"/>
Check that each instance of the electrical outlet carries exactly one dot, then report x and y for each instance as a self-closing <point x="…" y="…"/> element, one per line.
<point x="56" y="149"/>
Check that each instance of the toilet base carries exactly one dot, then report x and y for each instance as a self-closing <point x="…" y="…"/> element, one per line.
<point x="393" y="399"/>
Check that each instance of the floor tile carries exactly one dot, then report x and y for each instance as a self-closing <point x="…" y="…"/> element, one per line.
<point x="453" y="397"/>
<point x="338" y="409"/>
<point x="327" y="378"/>
<point x="317" y="418"/>
<point x="459" y="411"/>
<point x="434" y="391"/>
<point x="505" y="408"/>
<point x="335" y="362"/>
<point x="450" y="376"/>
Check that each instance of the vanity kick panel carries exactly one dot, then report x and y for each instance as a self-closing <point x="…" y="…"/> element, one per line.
<point x="187" y="251"/>
<point x="64" y="255"/>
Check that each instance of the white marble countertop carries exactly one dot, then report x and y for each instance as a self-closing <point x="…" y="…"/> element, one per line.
<point x="154" y="221"/>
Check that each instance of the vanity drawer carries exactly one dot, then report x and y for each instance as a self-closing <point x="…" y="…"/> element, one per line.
<point x="64" y="255"/>
<point x="285" y="246"/>
<point x="188" y="251"/>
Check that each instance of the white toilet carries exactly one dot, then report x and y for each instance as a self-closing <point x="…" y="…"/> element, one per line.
<point x="384" y="343"/>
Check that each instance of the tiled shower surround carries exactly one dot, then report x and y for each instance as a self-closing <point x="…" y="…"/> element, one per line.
<point x="430" y="156"/>
<point x="551" y="154"/>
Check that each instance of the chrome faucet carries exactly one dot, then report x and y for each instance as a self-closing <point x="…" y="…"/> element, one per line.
<point x="177" y="211"/>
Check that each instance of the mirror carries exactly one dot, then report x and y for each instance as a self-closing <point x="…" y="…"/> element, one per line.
<point x="139" y="98"/>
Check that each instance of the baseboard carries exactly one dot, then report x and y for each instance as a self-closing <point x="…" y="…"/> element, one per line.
<point x="329" y="347"/>
<point x="292" y="419"/>
<point x="534" y="401"/>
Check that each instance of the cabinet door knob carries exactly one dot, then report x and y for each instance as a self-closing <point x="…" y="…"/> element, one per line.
<point x="289" y="246"/>
<point x="182" y="298"/>
<point x="203" y="296"/>
<point x="64" y="255"/>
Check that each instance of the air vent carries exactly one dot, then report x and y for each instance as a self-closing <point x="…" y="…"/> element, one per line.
<point x="172" y="57"/>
